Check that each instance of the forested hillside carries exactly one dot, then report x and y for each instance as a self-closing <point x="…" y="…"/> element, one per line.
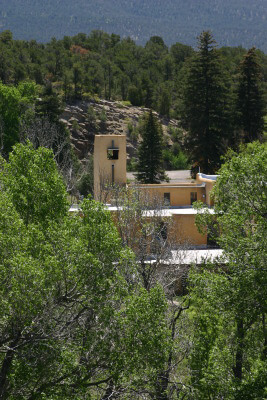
<point x="113" y="68"/>
<point x="233" y="22"/>
<point x="169" y="80"/>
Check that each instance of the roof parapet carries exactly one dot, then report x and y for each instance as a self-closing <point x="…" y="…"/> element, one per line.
<point x="206" y="178"/>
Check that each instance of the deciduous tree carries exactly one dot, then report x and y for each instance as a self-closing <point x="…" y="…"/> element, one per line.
<point x="14" y="103"/>
<point x="69" y="302"/>
<point x="229" y="351"/>
<point x="35" y="187"/>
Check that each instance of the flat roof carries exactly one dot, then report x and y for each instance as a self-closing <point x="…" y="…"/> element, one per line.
<point x="193" y="256"/>
<point x="174" y="176"/>
<point x="170" y="185"/>
<point x="165" y="212"/>
<point x="197" y="256"/>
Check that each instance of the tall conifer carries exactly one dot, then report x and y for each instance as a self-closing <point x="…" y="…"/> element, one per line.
<point x="206" y="106"/>
<point x="150" y="160"/>
<point x="250" y="100"/>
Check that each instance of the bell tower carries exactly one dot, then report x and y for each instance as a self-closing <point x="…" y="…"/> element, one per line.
<point x="109" y="162"/>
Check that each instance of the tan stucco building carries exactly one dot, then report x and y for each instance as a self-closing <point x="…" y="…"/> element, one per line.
<point x="109" y="162"/>
<point x="110" y="169"/>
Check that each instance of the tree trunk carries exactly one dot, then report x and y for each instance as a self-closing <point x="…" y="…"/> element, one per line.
<point x="264" y="352"/>
<point x="110" y="392"/>
<point x="6" y="365"/>
<point x="240" y="350"/>
<point x="162" y="386"/>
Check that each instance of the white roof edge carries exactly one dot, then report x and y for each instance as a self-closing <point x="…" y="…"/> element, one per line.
<point x="205" y="176"/>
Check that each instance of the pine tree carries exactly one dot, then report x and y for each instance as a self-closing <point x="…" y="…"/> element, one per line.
<point x="206" y="106"/>
<point x="49" y="105"/>
<point x="250" y="100"/>
<point x="150" y="160"/>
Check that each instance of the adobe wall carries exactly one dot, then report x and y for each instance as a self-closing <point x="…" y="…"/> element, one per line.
<point x="109" y="171"/>
<point x="180" y="195"/>
<point x="185" y="231"/>
<point x="209" y="181"/>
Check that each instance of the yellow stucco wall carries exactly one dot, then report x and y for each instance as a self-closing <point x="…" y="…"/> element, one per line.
<point x="181" y="230"/>
<point x="185" y="231"/>
<point x="103" y="166"/>
<point x="201" y="178"/>
<point x="180" y="194"/>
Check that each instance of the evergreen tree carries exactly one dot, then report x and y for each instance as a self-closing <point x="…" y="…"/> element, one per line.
<point x="49" y="105"/>
<point x="206" y="106"/>
<point x="250" y="101"/>
<point x="165" y="102"/>
<point x="150" y="158"/>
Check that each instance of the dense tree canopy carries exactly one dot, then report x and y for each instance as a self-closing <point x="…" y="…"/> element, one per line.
<point x="16" y="104"/>
<point x="105" y="65"/>
<point x="229" y="352"/>
<point x="68" y="315"/>
<point x="79" y="318"/>
<point x="35" y="187"/>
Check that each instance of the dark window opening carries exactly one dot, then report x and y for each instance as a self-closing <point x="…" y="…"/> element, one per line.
<point x="193" y="197"/>
<point x="113" y="154"/>
<point x="167" y="199"/>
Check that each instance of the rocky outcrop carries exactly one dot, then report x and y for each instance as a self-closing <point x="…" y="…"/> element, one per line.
<point x="85" y="119"/>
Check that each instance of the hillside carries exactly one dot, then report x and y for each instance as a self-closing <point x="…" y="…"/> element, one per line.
<point x="85" y="119"/>
<point x="233" y="22"/>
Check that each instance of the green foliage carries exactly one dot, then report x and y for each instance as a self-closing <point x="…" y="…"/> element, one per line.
<point x="165" y="103"/>
<point x="103" y="116"/>
<point x="70" y="304"/>
<point x="91" y="114"/>
<point x="98" y="66"/>
<point x="146" y="349"/>
<point x="175" y="159"/>
<point x="175" y="133"/>
<point x="49" y="105"/>
<point x="34" y="184"/>
<point x="131" y="165"/>
<point x="250" y="101"/>
<point x="150" y="162"/>
<point x="230" y="330"/>
<point x="14" y="104"/>
<point x="206" y="106"/>
<point x="85" y="185"/>
<point x="133" y="132"/>
<point x="125" y="103"/>
<point x="135" y="96"/>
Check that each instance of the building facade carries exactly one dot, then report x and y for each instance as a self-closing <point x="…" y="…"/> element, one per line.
<point x="175" y="199"/>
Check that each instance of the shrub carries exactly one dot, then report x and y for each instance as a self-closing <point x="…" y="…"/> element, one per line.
<point x="103" y="116"/>
<point x="91" y="114"/>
